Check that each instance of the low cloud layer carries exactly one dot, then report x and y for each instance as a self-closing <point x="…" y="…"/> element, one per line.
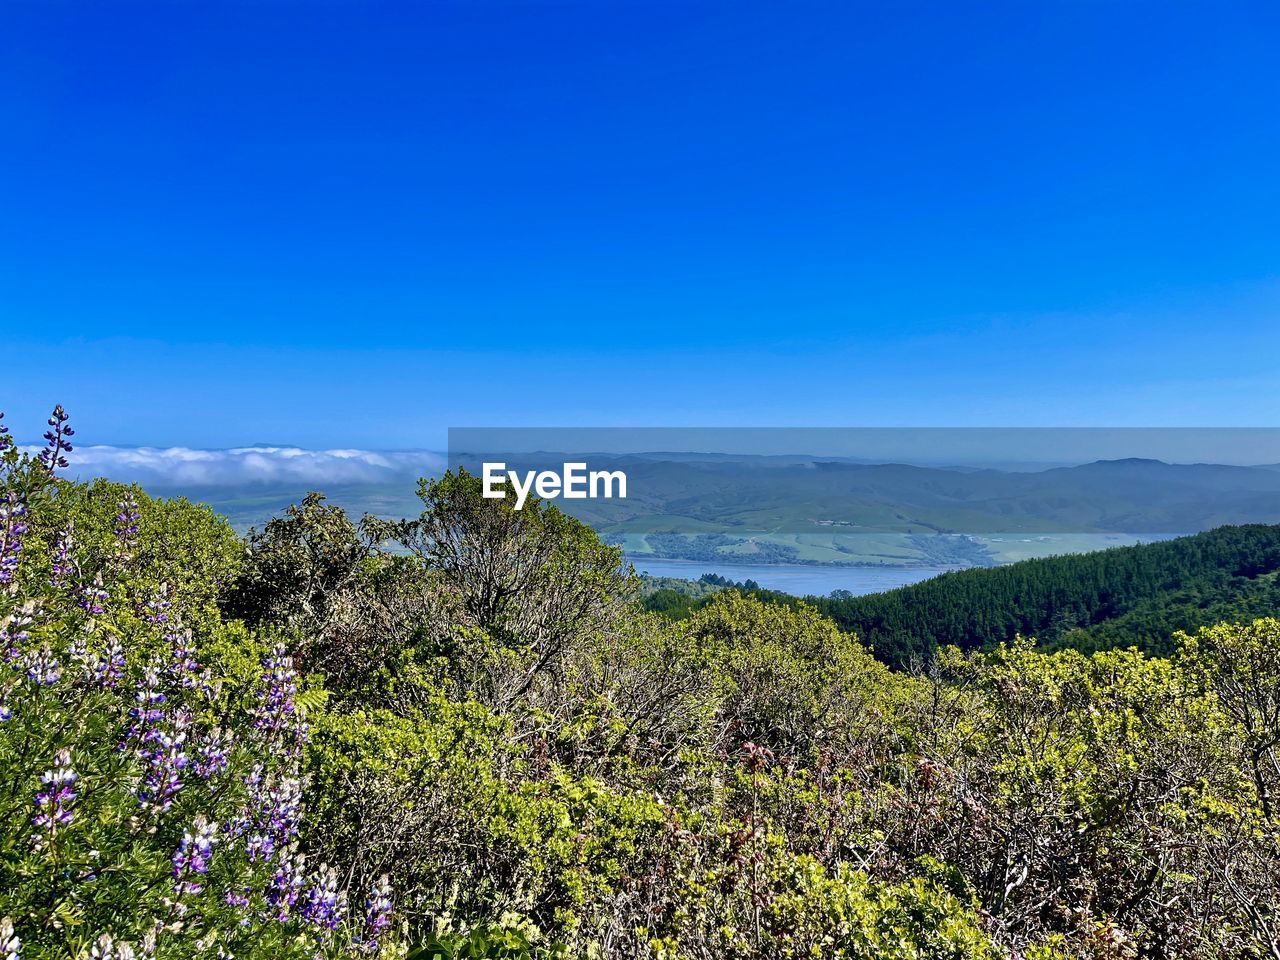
<point x="185" y="468"/>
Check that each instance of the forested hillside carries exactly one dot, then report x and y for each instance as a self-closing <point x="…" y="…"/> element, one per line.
<point x="459" y="735"/>
<point x="1128" y="596"/>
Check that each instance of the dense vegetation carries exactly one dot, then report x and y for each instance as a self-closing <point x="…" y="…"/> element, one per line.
<point x="1127" y="596"/>
<point x="676" y="598"/>
<point x="1138" y="596"/>
<point x="152" y="754"/>
<point x="460" y="736"/>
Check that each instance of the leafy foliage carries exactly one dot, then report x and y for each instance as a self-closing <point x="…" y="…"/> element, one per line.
<point x="150" y="753"/>
<point x="1126" y="596"/>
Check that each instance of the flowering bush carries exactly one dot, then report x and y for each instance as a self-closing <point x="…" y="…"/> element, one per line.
<point x="151" y="772"/>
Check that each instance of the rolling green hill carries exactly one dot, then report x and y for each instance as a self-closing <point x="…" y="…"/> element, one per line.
<point x="1128" y="596"/>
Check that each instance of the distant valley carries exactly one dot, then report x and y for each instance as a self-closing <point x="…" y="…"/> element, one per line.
<point x="719" y="510"/>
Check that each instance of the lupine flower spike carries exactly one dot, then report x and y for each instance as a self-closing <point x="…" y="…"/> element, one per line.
<point x="148" y="710"/>
<point x="157" y="610"/>
<point x="12" y="527"/>
<point x="54" y="802"/>
<point x="286" y="884"/>
<point x="325" y="906"/>
<point x="126" y="527"/>
<point x="274" y="811"/>
<point x="62" y="568"/>
<point x="14" y="635"/>
<point x="377" y="914"/>
<point x="106" y="668"/>
<point x="56" y="442"/>
<point x="184" y="666"/>
<point x="191" y="860"/>
<point x="276" y="712"/>
<point x="212" y="754"/>
<point x="106" y="948"/>
<point x="165" y="763"/>
<point x="42" y="668"/>
<point x="93" y="597"/>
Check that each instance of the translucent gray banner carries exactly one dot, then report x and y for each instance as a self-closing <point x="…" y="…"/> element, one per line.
<point x="933" y="497"/>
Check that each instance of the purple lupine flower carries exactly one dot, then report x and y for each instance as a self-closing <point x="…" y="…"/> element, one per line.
<point x="14" y="635"/>
<point x="5" y="441"/>
<point x="259" y="847"/>
<point x="271" y="822"/>
<point x="54" y="802"/>
<point x="237" y="898"/>
<point x="212" y="754"/>
<point x="42" y="668"/>
<point x="62" y="568"/>
<point x="126" y="527"/>
<point x="147" y="712"/>
<point x="191" y="859"/>
<point x="377" y="914"/>
<point x="107" y="948"/>
<point x="10" y="945"/>
<point x="283" y="808"/>
<point x="12" y="527"/>
<point x="92" y="597"/>
<point x="275" y="708"/>
<point x="106" y="668"/>
<point x="324" y="905"/>
<point x="56" y="443"/>
<point x="184" y="666"/>
<point x="12" y="642"/>
<point x="287" y="883"/>
<point x="156" y="611"/>
<point x="275" y="712"/>
<point x="78" y="651"/>
<point x="164" y="763"/>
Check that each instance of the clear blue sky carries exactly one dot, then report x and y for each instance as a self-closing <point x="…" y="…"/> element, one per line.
<point x="360" y="223"/>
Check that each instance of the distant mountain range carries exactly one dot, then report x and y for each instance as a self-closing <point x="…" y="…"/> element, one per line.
<point x="788" y="509"/>
<point x="819" y="510"/>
